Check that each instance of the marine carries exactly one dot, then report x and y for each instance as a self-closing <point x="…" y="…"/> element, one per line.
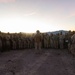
<point x="46" y="40"/>
<point x="37" y="40"/>
<point x="61" y="40"/>
<point x="73" y="45"/>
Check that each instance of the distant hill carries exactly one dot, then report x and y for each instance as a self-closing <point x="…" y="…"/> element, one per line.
<point x="56" y="32"/>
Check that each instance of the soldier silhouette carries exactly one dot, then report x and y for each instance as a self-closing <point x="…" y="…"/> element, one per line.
<point x="37" y="39"/>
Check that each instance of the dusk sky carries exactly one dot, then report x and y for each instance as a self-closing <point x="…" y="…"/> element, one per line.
<point x="32" y="15"/>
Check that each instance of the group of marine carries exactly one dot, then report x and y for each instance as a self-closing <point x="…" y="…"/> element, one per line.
<point x="38" y="40"/>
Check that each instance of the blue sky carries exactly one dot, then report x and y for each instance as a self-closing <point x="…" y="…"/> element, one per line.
<point x="30" y="15"/>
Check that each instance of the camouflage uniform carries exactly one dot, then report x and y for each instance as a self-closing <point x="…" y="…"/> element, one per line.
<point x="38" y="40"/>
<point x="7" y="43"/>
<point x="46" y="41"/>
<point x="24" y="42"/>
<point x="0" y="41"/>
<point x="13" y="43"/>
<point x="0" y="44"/>
<point x="30" y="42"/>
<point x="42" y="42"/>
<point x="51" y="41"/>
<point x="3" y="43"/>
<point x="56" y="41"/>
<point x="69" y="40"/>
<point x="27" y="42"/>
<point x="19" y="42"/>
<point x="73" y="45"/>
<point x="61" y="41"/>
<point x="10" y="41"/>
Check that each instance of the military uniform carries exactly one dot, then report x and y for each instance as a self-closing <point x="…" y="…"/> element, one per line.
<point x="7" y="43"/>
<point x="14" y="46"/>
<point x="51" y="41"/>
<point x="73" y="45"/>
<point x="0" y="41"/>
<point x="38" y="40"/>
<point x="56" y="41"/>
<point x="46" y="41"/>
<point x="61" y="41"/>
<point x="0" y="44"/>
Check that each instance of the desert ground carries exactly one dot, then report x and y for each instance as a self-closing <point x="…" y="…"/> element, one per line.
<point x="28" y="62"/>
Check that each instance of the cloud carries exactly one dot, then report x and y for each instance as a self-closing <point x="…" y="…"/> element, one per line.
<point x="30" y="14"/>
<point x="7" y="1"/>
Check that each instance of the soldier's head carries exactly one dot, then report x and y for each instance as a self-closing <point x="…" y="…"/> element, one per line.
<point x="37" y="31"/>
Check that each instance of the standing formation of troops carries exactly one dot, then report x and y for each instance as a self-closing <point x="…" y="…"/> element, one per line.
<point x="16" y="41"/>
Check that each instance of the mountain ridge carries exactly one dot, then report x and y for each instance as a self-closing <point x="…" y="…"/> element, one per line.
<point x="58" y="31"/>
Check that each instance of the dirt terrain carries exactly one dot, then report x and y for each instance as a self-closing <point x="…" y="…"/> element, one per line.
<point x="27" y="62"/>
